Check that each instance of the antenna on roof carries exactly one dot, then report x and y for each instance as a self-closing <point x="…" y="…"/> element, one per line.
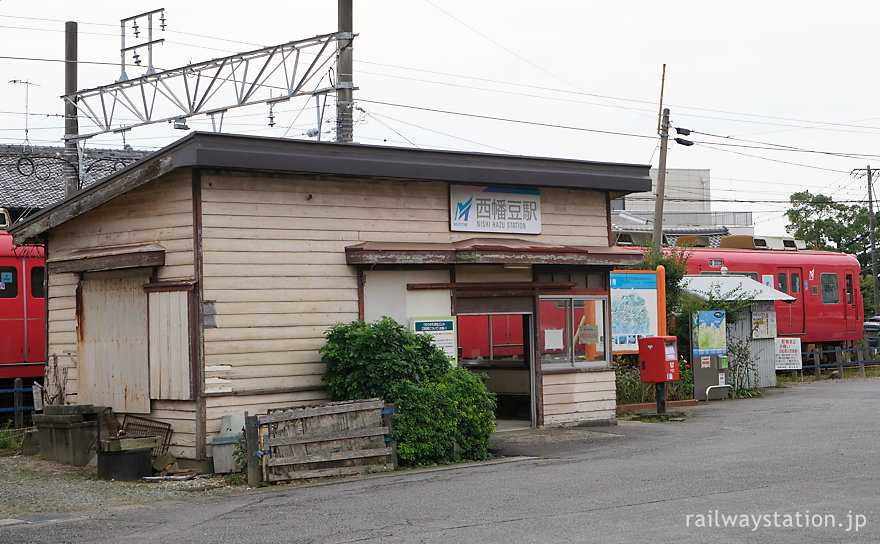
<point x="27" y="85"/>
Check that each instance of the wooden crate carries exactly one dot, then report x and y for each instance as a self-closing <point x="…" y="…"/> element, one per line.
<point x="335" y="439"/>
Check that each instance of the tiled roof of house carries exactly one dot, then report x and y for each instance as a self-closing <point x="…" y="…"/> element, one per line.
<point x="32" y="177"/>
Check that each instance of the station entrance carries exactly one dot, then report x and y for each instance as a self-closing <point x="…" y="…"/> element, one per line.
<point x="499" y="342"/>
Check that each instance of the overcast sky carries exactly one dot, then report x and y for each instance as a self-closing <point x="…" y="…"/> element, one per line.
<point x="749" y="78"/>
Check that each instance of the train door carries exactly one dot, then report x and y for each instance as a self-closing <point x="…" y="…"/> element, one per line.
<point x="790" y="315"/>
<point x="850" y="301"/>
<point x="35" y="306"/>
<point x="12" y="312"/>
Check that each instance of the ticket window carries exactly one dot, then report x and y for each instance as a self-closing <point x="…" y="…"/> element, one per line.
<point x="572" y="332"/>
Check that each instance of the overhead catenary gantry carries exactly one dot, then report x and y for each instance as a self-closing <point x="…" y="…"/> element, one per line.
<point x="268" y="75"/>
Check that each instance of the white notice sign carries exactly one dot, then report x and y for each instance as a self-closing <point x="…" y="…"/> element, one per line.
<point x="588" y="334"/>
<point x="553" y="339"/>
<point x="443" y="330"/>
<point x="764" y="324"/>
<point x="788" y="354"/>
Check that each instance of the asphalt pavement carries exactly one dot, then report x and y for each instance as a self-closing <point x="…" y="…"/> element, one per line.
<point x="795" y="465"/>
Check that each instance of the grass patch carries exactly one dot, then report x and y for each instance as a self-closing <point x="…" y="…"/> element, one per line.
<point x="10" y="439"/>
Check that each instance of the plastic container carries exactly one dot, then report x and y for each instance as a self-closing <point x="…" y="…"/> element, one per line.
<point x="126" y="465"/>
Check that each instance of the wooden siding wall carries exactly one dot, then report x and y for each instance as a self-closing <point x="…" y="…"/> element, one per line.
<point x="158" y="212"/>
<point x="578" y="396"/>
<point x="275" y="276"/>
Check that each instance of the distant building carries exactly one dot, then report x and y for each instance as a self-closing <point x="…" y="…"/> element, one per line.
<point x="32" y="177"/>
<point x="687" y="211"/>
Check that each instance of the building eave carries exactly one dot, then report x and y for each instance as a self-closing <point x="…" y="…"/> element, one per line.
<point x="249" y="153"/>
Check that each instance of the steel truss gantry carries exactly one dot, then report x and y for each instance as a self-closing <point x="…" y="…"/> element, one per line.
<point x="269" y="75"/>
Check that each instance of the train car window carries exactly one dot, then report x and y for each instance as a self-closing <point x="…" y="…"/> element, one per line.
<point x="849" y="289"/>
<point x="752" y="275"/>
<point x="795" y="283"/>
<point x="8" y="282"/>
<point x="37" y="276"/>
<point x="830" y="289"/>
<point x="782" y="282"/>
<point x="716" y="262"/>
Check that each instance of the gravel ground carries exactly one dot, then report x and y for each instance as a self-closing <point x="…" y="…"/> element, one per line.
<point x="30" y="486"/>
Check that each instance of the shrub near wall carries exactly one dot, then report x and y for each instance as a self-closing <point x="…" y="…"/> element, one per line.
<point x="474" y="409"/>
<point x="367" y="360"/>
<point x="438" y="405"/>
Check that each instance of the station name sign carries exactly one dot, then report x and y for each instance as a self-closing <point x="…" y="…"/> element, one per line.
<point x="494" y="209"/>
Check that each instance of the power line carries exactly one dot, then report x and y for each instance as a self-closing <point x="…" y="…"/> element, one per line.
<point x="810" y="124"/>
<point x="780" y="147"/>
<point x="482" y="144"/>
<point x="710" y="146"/>
<point x="519" y="121"/>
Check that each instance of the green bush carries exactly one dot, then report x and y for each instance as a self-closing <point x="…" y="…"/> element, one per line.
<point x="367" y="360"/>
<point x="438" y="405"/>
<point x="474" y="412"/>
<point x="424" y="424"/>
<point x="433" y="417"/>
<point x="631" y="389"/>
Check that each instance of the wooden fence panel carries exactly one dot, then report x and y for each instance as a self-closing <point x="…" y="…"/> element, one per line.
<point x="335" y="439"/>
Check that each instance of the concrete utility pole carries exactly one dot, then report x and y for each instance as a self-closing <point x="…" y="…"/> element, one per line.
<point x="873" y="252"/>
<point x="344" y="87"/>
<point x="71" y="126"/>
<point x="872" y="238"/>
<point x="661" y="182"/>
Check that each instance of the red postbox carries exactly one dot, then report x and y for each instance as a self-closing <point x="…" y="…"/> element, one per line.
<point x="658" y="359"/>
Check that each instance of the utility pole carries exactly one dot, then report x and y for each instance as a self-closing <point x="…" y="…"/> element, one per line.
<point x="344" y="87"/>
<point x="661" y="183"/>
<point x="871" y="235"/>
<point x="71" y="126"/>
<point x="873" y="252"/>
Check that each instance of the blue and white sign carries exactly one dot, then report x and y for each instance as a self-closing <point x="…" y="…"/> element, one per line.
<point x="709" y="333"/>
<point x="634" y="309"/>
<point x="494" y="209"/>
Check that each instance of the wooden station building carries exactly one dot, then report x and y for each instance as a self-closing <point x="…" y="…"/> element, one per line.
<point x="199" y="281"/>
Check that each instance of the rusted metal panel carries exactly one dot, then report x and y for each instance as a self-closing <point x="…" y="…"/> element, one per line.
<point x="108" y="258"/>
<point x="112" y="342"/>
<point x="493" y="285"/>
<point x="169" y="345"/>
<point x="486" y="251"/>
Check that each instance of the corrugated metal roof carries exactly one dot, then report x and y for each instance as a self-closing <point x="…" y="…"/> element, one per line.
<point x="731" y="287"/>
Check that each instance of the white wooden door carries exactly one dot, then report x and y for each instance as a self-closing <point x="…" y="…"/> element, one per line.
<point x="112" y="342"/>
<point x="169" y="346"/>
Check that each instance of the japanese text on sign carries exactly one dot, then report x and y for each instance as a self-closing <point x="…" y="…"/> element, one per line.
<point x="788" y="354"/>
<point x="495" y="209"/>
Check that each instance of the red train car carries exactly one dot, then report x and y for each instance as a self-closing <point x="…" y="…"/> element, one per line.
<point x="828" y="306"/>
<point x="22" y="309"/>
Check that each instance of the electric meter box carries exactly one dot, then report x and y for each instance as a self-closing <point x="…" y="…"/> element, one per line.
<point x="658" y="359"/>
